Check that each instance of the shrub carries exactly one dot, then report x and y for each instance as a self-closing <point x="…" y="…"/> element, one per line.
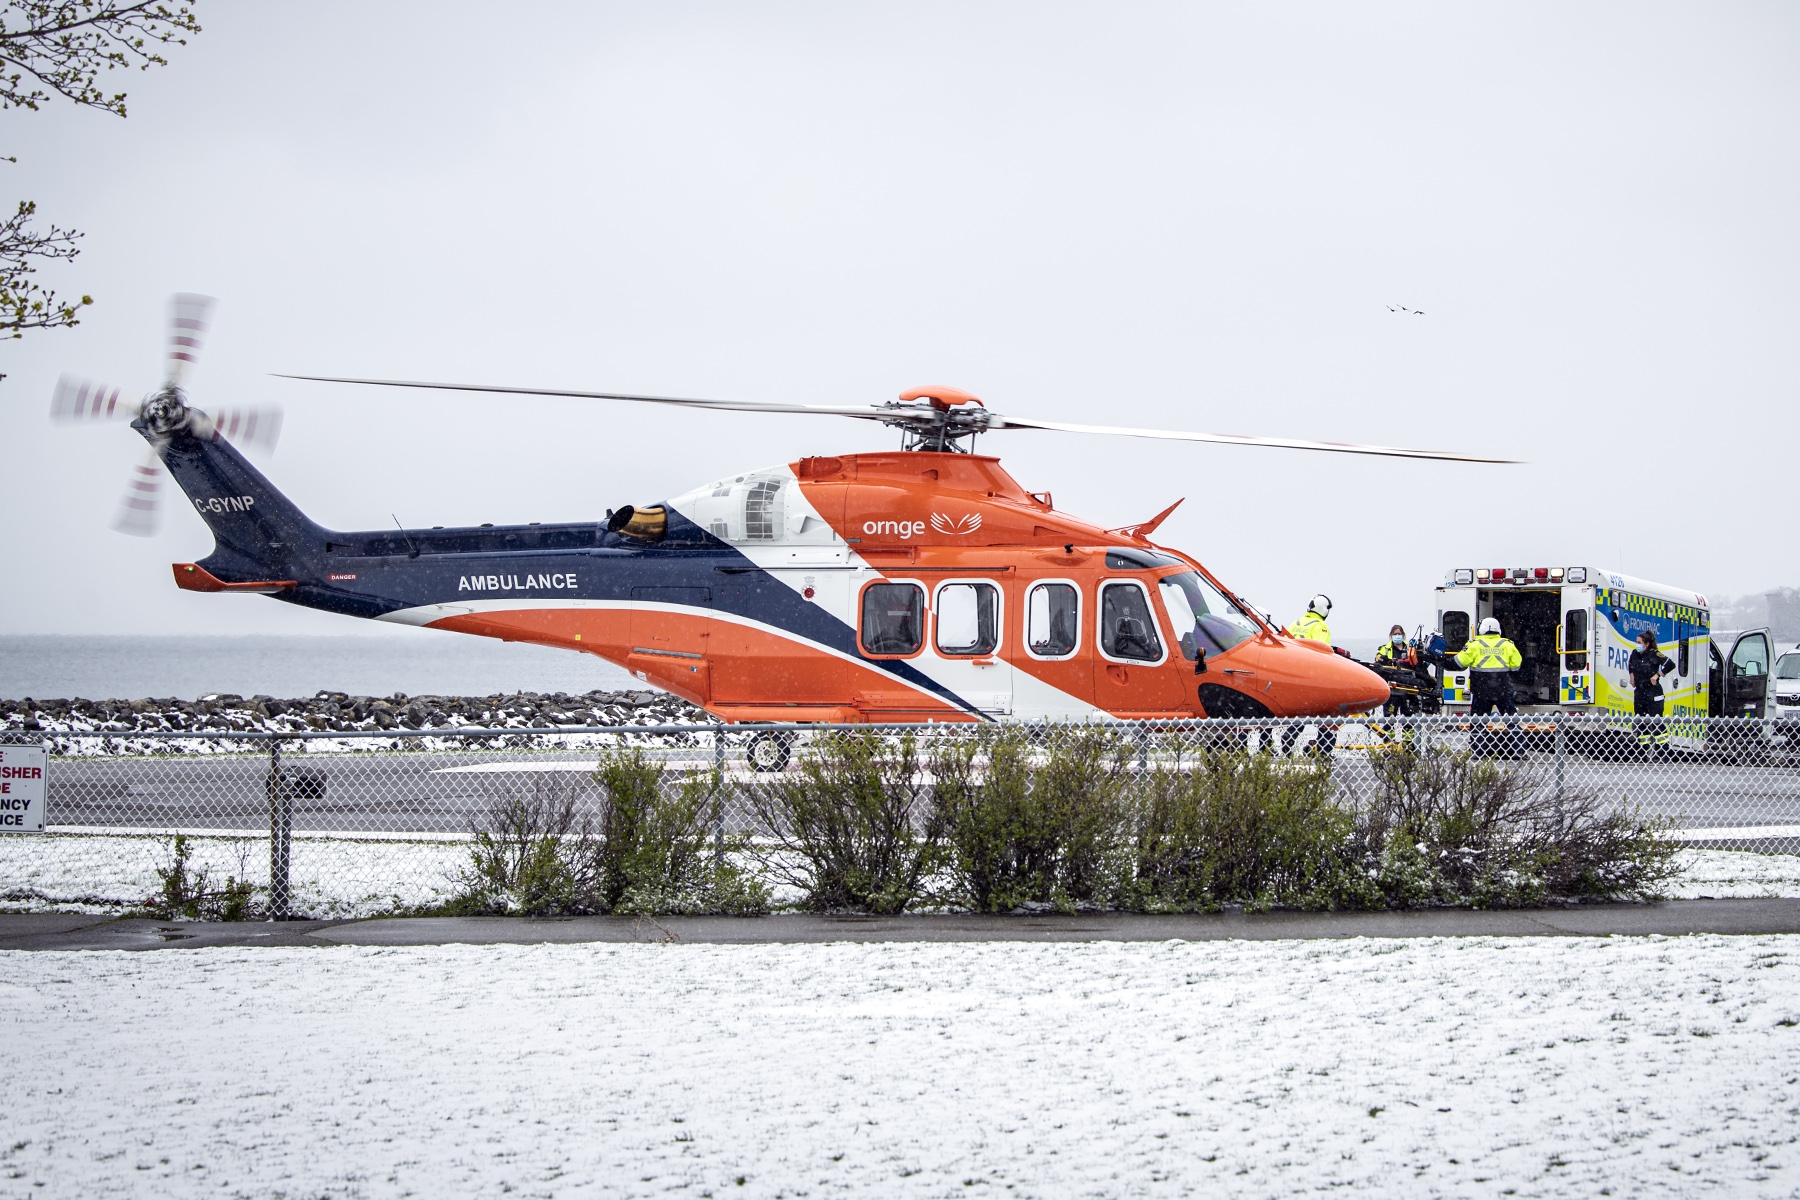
<point x="1446" y="827"/>
<point x="188" y="892"/>
<point x="638" y="846"/>
<point x="536" y="853"/>
<point x="1250" y="829"/>
<point x="655" y="857"/>
<point x="1024" y="827"/>
<point x="852" y="825"/>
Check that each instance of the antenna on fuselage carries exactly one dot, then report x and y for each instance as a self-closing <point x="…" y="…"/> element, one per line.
<point x="406" y="535"/>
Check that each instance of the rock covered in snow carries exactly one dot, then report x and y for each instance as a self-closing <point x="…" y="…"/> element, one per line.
<point x="341" y="712"/>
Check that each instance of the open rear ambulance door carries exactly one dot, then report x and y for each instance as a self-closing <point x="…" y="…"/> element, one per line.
<point x="1456" y="624"/>
<point x="1574" y="645"/>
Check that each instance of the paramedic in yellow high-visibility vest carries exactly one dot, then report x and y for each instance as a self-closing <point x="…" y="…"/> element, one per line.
<point x="1311" y="626"/>
<point x="1491" y="659"/>
<point x="1311" y="623"/>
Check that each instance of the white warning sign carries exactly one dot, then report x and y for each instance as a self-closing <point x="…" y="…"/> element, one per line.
<point x="22" y="789"/>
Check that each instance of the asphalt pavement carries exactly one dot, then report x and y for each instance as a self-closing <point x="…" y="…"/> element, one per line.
<point x="441" y="791"/>
<point x="62" y="931"/>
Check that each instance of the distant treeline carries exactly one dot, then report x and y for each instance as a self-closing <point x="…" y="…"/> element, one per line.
<point x="1779" y="609"/>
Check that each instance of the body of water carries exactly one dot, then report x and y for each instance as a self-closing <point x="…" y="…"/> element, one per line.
<point x="417" y="662"/>
<point x="414" y="661"/>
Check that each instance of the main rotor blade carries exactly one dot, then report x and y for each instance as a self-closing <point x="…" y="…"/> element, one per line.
<point x="1238" y="440"/>
<point x="137" y="511"/>
<point x="920" y="413"/>
<point x="78" y="400"/>
<point x="868" y="412"/>
<point x="188" y="318"/>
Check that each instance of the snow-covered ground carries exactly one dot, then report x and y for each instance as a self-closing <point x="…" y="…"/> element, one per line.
<point x="1532" y="1067"/>
<point x="329" y="875"/>
<point x="1734" y="874"/>
<point x="367" y="875"/>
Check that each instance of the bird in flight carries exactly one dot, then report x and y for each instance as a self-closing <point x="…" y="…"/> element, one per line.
<point x="1402" y="308"/>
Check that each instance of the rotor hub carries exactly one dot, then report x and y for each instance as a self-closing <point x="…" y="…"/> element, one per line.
<point x="166" y="411"/>
<point x="927" y="422"/>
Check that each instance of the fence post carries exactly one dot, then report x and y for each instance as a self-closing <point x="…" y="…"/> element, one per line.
<point x="718" y="812"/>
<point x="281" y="827"/>
<point x="1562" y="739"/>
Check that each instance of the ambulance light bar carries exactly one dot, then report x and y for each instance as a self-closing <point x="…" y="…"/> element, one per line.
<point x="1519" y="575"/>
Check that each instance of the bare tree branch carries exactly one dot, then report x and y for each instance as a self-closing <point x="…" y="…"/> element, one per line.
<point x="65" y="46"/>
<point x="24" y="303"/>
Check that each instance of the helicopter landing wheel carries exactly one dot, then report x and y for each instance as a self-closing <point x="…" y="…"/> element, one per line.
<point x="767" y="751"/>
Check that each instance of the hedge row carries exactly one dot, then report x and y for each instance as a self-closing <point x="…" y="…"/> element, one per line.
<point x="1011" y="820"/>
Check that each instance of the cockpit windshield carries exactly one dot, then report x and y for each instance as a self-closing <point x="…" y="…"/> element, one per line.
<point x="1202" y="617"/>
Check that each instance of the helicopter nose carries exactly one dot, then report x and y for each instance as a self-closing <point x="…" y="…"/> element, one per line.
<point x="1317" y="682"/>
<point x="1362" y="689"/>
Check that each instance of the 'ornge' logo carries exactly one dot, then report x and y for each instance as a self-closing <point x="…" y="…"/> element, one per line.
<point x="960" y="526"/>
<point x="940" y="523"/>
<point x="903" y="529"/>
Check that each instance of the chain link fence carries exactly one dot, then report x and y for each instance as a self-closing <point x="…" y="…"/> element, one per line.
<point x="353" y="824"/>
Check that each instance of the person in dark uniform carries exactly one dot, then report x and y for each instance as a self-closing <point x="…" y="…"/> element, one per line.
<point x="1647" y="666"/>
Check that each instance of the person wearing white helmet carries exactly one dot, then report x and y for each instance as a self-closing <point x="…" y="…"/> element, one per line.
<point x="1490" y="658"/>
<point x="1311" y="623"/>
<point x="1311" y="626"/>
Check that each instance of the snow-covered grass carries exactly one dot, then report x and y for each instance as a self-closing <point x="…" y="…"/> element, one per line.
<point x="1535" y="1067"/>
<point x="329" y="876"/>
<point x="1735" y="874"/>
<point x="369" y="875"/>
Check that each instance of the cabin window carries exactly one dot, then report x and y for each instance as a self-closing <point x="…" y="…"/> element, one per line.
<point x="1053" y="620"/>
<point x="968" y="618"/>
<point x="762" y="511"/>
<point x="893" y="618"/>
<point x="1127" y="629"/>
<point x="1575" y="640"/>
<point x="1202" y="618"/>
<point x="1751" y="658"/>
<point x="1455" y="630"/>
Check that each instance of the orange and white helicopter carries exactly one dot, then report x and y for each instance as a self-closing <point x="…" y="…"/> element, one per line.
<point x="920" y="584"/>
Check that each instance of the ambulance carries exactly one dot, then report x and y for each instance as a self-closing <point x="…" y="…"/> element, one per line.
<point x="1575" y="628"/>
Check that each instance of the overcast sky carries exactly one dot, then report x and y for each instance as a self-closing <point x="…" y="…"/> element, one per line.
<point x="1179" y="216"/>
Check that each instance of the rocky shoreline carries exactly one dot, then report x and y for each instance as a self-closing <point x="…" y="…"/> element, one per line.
<point x="341" y="712"/>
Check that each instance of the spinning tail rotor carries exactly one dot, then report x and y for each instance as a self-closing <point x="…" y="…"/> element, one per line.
<point x="162" y="413"/>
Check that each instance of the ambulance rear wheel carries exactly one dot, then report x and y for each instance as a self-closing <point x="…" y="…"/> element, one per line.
<point x="767" y="751"/>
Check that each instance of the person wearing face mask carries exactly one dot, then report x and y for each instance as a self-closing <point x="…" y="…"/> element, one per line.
<point x="1404" y="668"/>
<point x="1647" y="666"/>
<point x="1395" y="652"/>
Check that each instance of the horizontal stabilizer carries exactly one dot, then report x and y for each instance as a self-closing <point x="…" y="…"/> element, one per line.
<point x="192" y="577"/>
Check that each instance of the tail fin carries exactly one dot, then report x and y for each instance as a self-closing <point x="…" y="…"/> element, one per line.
<point x="257" y="531"/>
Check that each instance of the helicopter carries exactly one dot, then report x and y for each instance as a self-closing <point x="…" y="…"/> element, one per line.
<point x="910" y="585"/>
